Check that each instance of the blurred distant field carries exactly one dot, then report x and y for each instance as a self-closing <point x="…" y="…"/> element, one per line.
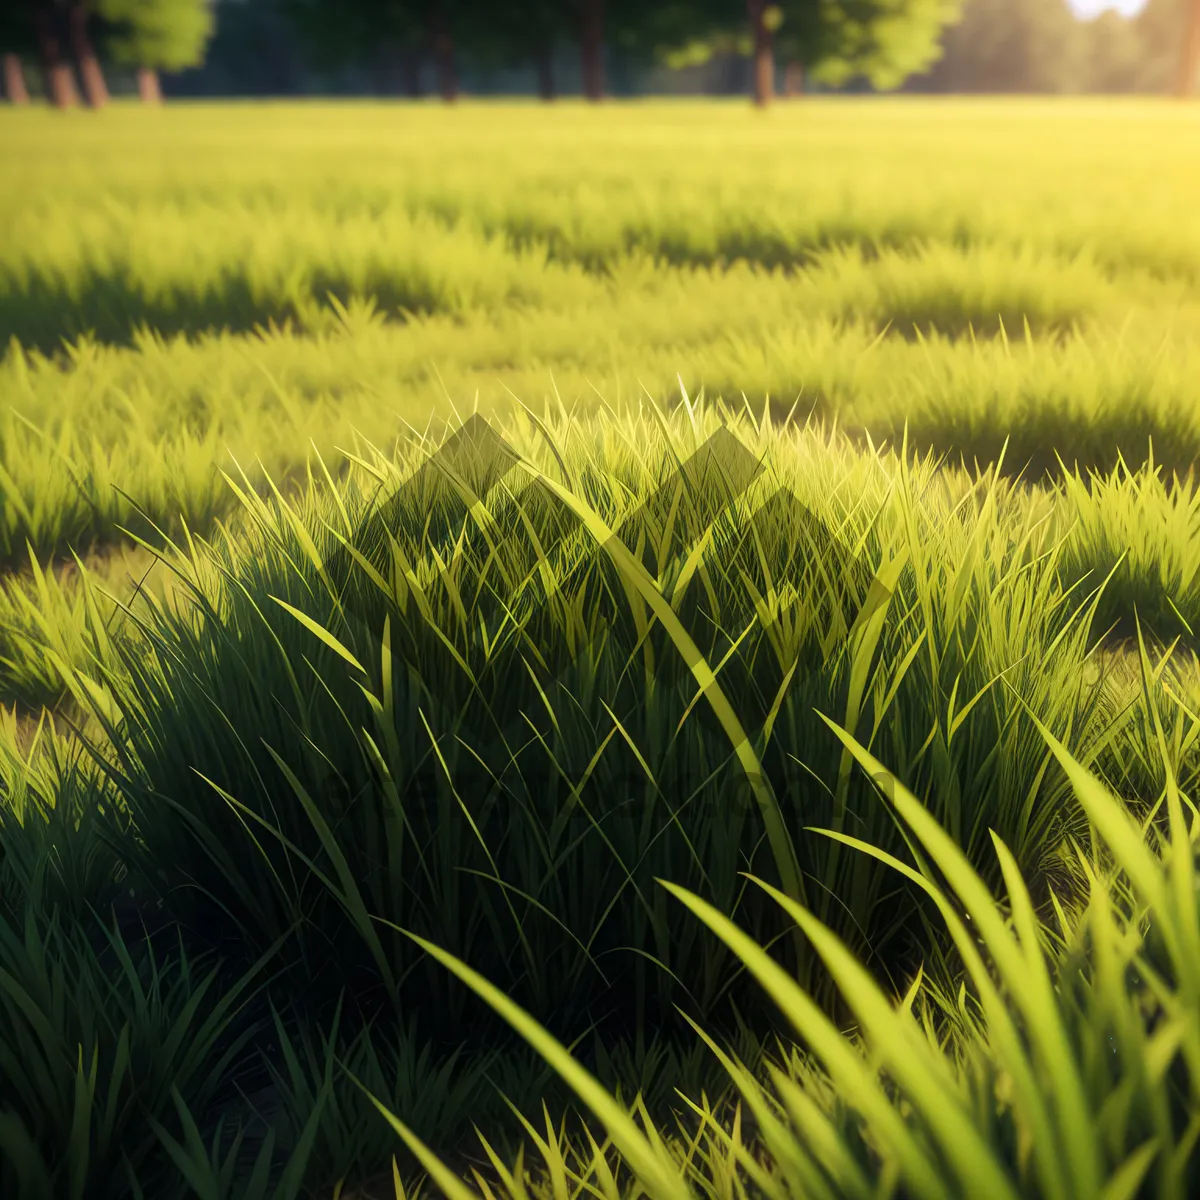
<point x="179" y="284"/>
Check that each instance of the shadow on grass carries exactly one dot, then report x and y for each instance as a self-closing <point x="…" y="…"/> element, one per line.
<point x="1044" y="443"/>
<point x="113" y="308"/>
<point x="43" y="310"/>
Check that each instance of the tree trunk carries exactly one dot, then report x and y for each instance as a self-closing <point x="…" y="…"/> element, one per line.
<point x="764" y="53"/>
<point x="412" y="73"/>
<point x="90" y="74"/>
<point x="443" y="53"/>
<point x="592" y="45"/>
<point x="443" y="48"/>
<point x="793" y="79"/>
<point x="60" y="83"/>
<point x="545" y="72"/>
<point x="1189" y="54"/>
<point x="148" y="86"/>
<point x="14" y="80"/>
<point x="381" y="73"/>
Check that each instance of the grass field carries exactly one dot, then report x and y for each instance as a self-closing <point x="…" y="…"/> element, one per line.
<point x="838" y="254"/>
<point x="290" y="759"/>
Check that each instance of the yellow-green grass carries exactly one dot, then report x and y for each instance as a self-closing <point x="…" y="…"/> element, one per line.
<point x="507" y="248"/>
<point x="979" y="638"/>
<point x="592" y="250"/>
<point x="989" y="619"/>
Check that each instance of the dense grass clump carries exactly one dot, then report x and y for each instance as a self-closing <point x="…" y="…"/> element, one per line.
<point x="479" y="728"/>
<point x="439" y="699"/>
<point x="491" y="703"/>
<point x="1066" y="1065"/>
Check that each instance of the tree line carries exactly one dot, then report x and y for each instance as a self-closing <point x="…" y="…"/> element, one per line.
<point x="1036" y="46"/>
<point x="69" y="39"/>
<point x="880" y="43"/>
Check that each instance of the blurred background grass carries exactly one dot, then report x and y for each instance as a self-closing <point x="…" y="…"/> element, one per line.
<point x="258" y="278"/>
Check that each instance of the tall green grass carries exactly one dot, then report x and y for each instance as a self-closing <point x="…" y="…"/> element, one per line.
<point x="295" y="752"/>
<point x="439" y="735"/>
<point x="1070" y="1069"/>
<point x="122" y="440"/>
<point x="339" y="196"/>
<point x="277" y="789"/>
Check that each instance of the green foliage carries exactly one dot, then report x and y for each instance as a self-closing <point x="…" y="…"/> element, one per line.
<point x="372" y="31"/>
<point x="95" y="1047"/>
<point x="335" y="34"/>
<point x="16" y="30"/>
<point x="168" y="35"/>
<point x="1037" y="46"/>
<point x="512" y="34"/>
<point x="979" y="634"/>
<point x="488" y="833"/>
<point x="1145" y="531"/>
<point x="882" y="41"/>
<point x="677" y="33"/>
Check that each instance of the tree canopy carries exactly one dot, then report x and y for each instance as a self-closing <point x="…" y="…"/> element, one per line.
<point x="166" y="35"/>
<point x="1040" y="46"/>
<point x="836" y="41"/>
<point x="16" y="29"/>
<point x="939" y="45"/>
<point x="881" y="41"/>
